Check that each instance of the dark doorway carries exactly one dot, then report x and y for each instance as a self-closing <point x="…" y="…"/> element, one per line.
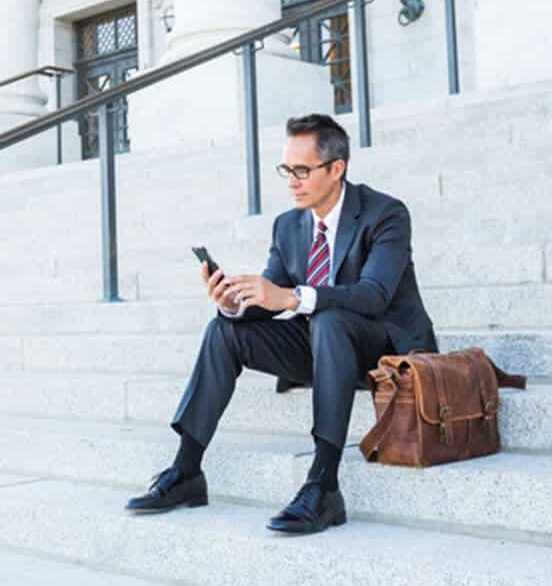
<point x="325" y="40"/>
<point x="107" y="56"/>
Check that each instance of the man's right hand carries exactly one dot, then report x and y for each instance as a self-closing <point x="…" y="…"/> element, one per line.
<point x="216" y="289"/>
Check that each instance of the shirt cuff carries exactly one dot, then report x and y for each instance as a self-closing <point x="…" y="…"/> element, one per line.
<point x="308" y="300"/>
<point x="236" y="315"/>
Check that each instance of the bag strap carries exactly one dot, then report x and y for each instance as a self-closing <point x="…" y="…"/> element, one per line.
<point x="377" y="434"/>
<point x="516" y="381"/>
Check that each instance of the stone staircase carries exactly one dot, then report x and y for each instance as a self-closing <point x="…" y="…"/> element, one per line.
<point x="88" y="388"/>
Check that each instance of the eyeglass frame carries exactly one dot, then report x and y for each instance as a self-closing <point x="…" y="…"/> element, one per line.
<point x="309" y="170"/>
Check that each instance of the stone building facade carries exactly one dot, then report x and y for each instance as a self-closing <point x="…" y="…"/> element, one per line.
<point x="108" y="41"/>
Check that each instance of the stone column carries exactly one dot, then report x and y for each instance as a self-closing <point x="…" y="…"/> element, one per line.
<point x="206" y="103"/>
<point x="199" y="25"/>
<point x="23" y="100"/>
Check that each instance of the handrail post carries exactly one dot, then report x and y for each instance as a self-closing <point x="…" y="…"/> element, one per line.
<point x="363" y="93"/>
<point x="252" y="129"/>
<point x="452" y="47"/>
<point x="109" y="213"/>
<point x="59" y="77"/>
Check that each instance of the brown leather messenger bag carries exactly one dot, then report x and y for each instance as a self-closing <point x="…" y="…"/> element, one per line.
<point x="435" y="408"/>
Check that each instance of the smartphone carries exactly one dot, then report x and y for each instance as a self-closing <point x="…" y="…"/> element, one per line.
<point x="203" y="255"/>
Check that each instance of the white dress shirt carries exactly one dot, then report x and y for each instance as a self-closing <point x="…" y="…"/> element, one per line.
<point x="308" y="294"/>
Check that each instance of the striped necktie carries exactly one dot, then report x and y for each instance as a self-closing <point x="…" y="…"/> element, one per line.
<point x="318" y="266"/>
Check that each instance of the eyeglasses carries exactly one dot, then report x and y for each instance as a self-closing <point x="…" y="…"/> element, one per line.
<point x="300" y="171"/>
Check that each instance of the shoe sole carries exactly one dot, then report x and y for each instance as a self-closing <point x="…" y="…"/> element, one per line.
<point x="322" y="525"/>
<point x="190" y="504"/>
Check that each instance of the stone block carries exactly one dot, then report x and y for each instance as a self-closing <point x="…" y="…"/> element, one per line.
<point x="11" y="353"/>
<point x="108" y="353"/>
<point x="523" y="352"/>
<point x="472" y="266"/>
<point x="497" y="307"/>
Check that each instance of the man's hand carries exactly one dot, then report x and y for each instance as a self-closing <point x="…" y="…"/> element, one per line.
<point x="256" y="290"/>
<point x="216" y="289"/>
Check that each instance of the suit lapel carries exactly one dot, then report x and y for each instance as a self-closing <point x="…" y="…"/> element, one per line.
<point x="346" y="227"/>
<point x="306" y="229"/>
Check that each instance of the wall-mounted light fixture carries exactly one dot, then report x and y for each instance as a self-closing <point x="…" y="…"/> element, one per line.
<point x="411" y="11"/>
<point x="167" y="18"/>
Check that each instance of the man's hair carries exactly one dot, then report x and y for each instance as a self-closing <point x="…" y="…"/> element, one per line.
<point x="332" y="142"/>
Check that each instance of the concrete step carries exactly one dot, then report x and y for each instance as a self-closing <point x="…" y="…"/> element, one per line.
<point x="507" y="118"/>
<point x="455" y="259"/>
<point x="445" y="277"/>
<point x="244" y="467"/>
<point x="486" y="307"/>
<point x="524" y="351"/>
<point x="452" y="263"/>
<point x="525" y="418"/>
<point x="227" y="543"/>
<point x="24" y="569"/>
<point x="178" y="316"/>
<point x="490" y="307"/>
<point x="484" y="291"/>
<point x="497" y="176"/>
<point x="464" y="146"/>
<point x="72" y="288"/>
<point x="469" y="212"/>
<point x="528" y="352"/>
<point x="170" y="353"/>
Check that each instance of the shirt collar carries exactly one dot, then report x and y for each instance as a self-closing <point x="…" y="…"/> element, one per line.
<point x="332" y="219"/>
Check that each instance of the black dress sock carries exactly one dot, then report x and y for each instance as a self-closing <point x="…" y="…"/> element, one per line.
<point x="325" y="464"/>
<point x="188" y="458"/>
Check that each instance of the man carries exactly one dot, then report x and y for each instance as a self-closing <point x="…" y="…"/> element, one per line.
<point x="341" y="260"/>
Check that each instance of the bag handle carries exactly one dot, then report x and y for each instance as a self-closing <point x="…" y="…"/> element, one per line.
<point x="377" y="434"/>
<point x="515" y="381"/>
<point x="503" y="379"/>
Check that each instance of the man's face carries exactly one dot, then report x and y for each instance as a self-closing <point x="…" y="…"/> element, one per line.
<point x="322" y="184"/>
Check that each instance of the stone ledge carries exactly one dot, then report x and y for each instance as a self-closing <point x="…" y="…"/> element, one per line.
<point x="228" y="544"/>
<point x="487" y="494"/>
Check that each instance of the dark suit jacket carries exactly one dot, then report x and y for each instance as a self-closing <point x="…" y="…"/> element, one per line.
<point x="372" y="265"/>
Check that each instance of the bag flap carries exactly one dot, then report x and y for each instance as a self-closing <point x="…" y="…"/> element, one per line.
<point x="450" y="387"/>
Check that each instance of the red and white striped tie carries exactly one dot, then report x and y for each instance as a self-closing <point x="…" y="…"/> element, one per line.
<point x="318" y="266"/>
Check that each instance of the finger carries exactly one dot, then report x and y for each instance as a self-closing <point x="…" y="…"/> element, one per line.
<point x="204" y="272"/>
<point x="219" y="290"/>
<point x="247" y="294"/>
<point x="238" y="287"/>
<point x="242" y="279"/>
<point x="213" y="280"/>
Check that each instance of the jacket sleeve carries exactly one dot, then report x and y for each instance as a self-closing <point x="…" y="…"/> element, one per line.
<point x="382" y="271"/>
<point x="274" y="272"/>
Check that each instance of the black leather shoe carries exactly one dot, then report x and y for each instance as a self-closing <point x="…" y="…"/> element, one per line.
<point x="311" y="510"/>
<point x="283" y="385"/>
<point x="168" y="490"/>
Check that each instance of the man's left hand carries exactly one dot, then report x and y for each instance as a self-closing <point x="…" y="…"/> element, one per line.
<point x="256" y="290"/>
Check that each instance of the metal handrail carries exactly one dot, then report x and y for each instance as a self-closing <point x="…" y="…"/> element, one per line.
<point x="145" y="80"/>
<point x="47" y="71"/>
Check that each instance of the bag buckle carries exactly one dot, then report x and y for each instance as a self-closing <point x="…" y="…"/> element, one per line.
<point x="444" y="413"/>
<point x="486" y="407"/>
